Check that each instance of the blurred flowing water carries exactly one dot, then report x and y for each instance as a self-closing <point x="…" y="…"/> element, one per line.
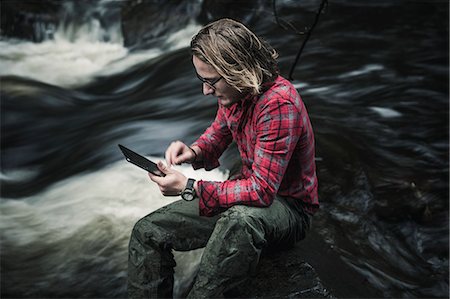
<point x="374" y="77"/>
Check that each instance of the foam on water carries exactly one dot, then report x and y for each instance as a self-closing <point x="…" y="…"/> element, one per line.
<point x="385" y="112"/>
<point x="300" y="85"/>
<point x="362" y="71"/>
<point x="318" y="89"/>
<point x="57" y="62"/>
<point x="117" y="196"/>
<point x="70" y="63"/>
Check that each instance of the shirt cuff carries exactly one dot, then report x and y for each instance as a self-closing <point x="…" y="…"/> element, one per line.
<point x="208" y="203"/>
<point x="206" y="161"/>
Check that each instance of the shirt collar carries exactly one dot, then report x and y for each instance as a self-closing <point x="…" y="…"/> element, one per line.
<point x="249" y="98"/>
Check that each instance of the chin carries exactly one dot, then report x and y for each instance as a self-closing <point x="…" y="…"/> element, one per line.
<point x="223" y="102"/>
<point x="226" y="102"/>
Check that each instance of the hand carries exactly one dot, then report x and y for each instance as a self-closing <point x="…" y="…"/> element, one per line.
<point x="172" y="184"/>
<point x="178" y="153"/>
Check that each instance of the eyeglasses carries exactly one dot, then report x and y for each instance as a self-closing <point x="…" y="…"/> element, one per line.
<point x="211" y="82"/>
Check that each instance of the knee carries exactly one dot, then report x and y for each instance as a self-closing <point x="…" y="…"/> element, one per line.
<point x="240" y="215"/>
<point x="139" y="228"/>
<point x="240" y="219"/>
<point x="145" y="230"/>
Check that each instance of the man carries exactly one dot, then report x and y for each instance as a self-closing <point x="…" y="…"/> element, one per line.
<point x="270" y="202"/>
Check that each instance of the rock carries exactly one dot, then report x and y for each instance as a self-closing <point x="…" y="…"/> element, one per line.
<point x="283" y="274"/>
<point x="145" y="23"/>
<point x="34" y="20"/>
<point x="245" y="11"/>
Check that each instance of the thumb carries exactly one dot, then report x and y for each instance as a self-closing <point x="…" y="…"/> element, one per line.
<point x="157" y="178"/>
<point x="164" y="169"/>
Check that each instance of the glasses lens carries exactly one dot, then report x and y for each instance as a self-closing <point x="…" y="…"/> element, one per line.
<point x="215" y="81"/>
<point x="210" y="83"/>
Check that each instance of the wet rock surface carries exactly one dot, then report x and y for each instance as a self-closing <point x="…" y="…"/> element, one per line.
<point x="28" y="19"/>
<point x="310" y="269"/>
<point x="140" y="16"/>
<point x="283" y="275"/>
<point x="146" y="23"/>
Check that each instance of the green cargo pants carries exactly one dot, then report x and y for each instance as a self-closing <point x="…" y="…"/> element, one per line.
<point x="233" y="241"/>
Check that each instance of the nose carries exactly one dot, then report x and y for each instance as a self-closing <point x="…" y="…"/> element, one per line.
<point x="207" y="90"/>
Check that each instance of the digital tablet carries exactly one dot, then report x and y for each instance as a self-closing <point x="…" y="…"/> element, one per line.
<point x="140" y="161"/>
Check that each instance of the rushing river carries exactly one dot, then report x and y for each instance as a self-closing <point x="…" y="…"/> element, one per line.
<point x="374" y="76"/>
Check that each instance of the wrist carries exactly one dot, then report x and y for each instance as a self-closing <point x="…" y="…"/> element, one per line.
<point x="195" y="155"/>
<point x="197" y="152"/>
<point x="183" y="184"/>
<point x="196" y="188"/>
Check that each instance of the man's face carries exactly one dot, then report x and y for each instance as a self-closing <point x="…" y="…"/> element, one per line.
<point x="226" y="95"/>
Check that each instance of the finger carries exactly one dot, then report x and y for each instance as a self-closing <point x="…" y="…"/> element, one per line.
<point x="163" y="168"/>
<point x="176" y="154"/>
<point x="185" y="154"/>
<point x="173" y="158"/>
<point x="167" y="155"/>
<point x="173" y="151"/>
<point x="154" y="178"/>
<point x="183" y="158"/>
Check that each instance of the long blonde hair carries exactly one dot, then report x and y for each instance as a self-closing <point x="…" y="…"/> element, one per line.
<point x="237" y="54"/>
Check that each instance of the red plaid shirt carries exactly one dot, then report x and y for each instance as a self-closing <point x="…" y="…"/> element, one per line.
<point x="275" y="139"/>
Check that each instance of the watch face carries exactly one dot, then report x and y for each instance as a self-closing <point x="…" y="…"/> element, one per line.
<point x="188" y="196"/>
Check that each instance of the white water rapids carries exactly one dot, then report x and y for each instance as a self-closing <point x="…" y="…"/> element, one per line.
<point x="87" y="209"/>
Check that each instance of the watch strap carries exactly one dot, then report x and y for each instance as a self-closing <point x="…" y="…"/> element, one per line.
<point x="190" y="184"/>
<point x="189" y="192"/>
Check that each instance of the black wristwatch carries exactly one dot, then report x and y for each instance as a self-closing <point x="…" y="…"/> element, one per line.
<point x="188" y="193"/>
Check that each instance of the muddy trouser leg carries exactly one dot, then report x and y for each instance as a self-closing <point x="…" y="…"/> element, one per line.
<point x="176" y="226"/>
<point x="234" y="248"/>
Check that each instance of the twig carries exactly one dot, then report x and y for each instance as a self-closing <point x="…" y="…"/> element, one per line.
<point x="308" y="34"/>
<point x="291" y="27"/>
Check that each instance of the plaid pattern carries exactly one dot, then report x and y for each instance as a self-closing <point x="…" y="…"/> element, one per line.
<point x="276" y="143"/>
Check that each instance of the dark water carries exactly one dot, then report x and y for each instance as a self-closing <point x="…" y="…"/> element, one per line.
<point x="374" y="77"/>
